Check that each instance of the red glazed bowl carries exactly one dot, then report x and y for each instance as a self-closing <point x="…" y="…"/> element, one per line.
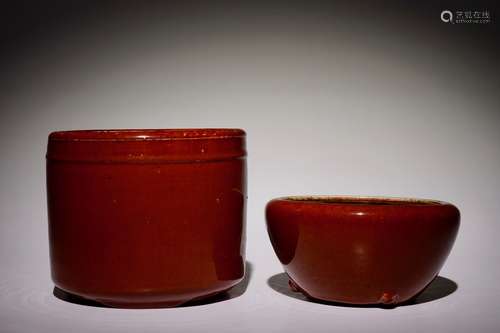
<point x="146" y="218"/>
<point x="361" y="250"/>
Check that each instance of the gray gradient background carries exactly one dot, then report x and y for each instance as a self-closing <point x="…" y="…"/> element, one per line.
<point x="336" y="99"/>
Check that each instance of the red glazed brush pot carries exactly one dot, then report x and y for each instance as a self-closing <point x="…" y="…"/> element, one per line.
<point x="146" y="218"/>
<point x="361" y="250"/>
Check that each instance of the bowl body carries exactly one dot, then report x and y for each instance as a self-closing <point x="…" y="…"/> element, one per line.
<point x="361" y="250"/>
<point x="146" y="218"/>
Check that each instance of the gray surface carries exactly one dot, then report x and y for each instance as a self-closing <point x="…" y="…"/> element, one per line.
<point x="331" y="107"/>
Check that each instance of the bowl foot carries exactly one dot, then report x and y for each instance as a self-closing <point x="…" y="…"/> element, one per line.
<point x="294" y="286"/>
<point x="387" y="299"/>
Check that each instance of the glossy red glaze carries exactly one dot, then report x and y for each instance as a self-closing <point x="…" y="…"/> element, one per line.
<point x="361" y="250"/>
<point x="146" y="218"/>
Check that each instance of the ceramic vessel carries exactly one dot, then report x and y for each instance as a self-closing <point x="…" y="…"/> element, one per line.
<point x="146" y="218"/>
<point x="361" y="250"/>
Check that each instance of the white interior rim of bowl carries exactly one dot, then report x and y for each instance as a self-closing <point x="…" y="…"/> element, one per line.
<point x="362" y="200"/>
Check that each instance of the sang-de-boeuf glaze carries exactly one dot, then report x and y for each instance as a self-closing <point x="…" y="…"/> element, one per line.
<point x="361" y="250"/>
<point x="146" y="218"/>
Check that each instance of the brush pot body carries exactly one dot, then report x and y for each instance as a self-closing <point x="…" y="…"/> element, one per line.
<point x="146" y="218"/>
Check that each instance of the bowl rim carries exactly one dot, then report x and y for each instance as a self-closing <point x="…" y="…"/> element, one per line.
<point x="160" y="134"/>
<point x="361" y="200"/>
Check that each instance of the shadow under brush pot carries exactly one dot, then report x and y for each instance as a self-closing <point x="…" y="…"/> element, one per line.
<point x="146" y="218"/>
<point x="361" y="250"/>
